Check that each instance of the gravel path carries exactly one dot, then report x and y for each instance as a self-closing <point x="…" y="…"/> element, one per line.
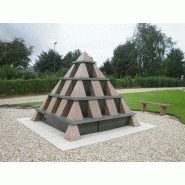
<point x="166" y="142"/>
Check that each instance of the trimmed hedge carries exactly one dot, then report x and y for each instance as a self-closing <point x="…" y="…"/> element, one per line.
<point x="40" y="86"/>
<point x="128" y="82"/>
<point x="22" y="87"/>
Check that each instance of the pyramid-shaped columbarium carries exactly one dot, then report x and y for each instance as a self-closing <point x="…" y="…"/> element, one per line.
<point x="83" y="102"/>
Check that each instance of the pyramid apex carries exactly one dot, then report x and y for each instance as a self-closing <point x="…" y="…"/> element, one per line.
<point x="85" y="57"/>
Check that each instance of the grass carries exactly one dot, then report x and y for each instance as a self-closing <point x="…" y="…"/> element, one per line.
<point x="28" y="104"/>
<point x="174" y="97"/>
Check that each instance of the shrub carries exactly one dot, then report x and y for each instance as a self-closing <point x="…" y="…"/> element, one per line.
<point x="7" y="72"/>
<point x="22" y="87"/>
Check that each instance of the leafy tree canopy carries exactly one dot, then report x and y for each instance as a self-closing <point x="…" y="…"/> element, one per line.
<point x="124" y="60"/>
<point x="175" y="64"/>
<point x="151" y="45"/>
<point x="45" y="61"/>
<point x="15" y="53"/>
<point x="107" y="67"/>
<point x="70" y="57"/>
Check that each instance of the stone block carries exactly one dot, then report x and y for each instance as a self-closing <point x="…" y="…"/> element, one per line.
<point x="79" y="90"/>
<point x="53" y="106"/>
<point x="45" y="104"/>
<point x="36" y="117"/>
<point x="75" y="113"/>
<point x="124" y="107"/>
<point x="71" y="72"/>
<point x="96" y="89"/>
<point x="67" y="88"/>
<point x="72" y="133"/>
<point x="110" y="89"/>
<point x="110" y="107"/>
<point x="134" y="121"/>
<point x="63" y="108"/>
<point x="57" y="88"/>
<point x="97" y="73"/>
<point x="94" y="109"/>
<point x="82" y="71"/>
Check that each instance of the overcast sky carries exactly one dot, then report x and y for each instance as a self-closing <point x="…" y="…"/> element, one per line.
<point x="98" y="40"/>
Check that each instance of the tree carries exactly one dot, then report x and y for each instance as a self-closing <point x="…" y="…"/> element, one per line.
<point x="152" y="45"/>
<point x="15" y="53"/>
<point x="70" y="57"/>
<point x="175" y="64"/>
<point x="45" y="62"/>
<point x="124" y="60"/>
<point x="107" y="67"/>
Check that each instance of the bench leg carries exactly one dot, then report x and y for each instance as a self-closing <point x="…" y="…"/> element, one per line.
<point x="163" y="111"/>
<point x="143" y="107"/>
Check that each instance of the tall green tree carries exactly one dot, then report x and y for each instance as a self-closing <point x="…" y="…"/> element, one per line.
<point x="70" y="57"/>
<point x="45" y="61"/>
<point x="107" y="67"/>
<point x="175" y="64"/>
<point x="15" y="53"/>
<point x="124" y="60"/>
<point x="151" y="45"/>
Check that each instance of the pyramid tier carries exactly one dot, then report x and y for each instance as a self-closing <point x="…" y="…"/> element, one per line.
<point x="91" y="108"/>
<point x="84" y="70"/>
<point x="87" y="125"/>
<point x="84" y="88"/>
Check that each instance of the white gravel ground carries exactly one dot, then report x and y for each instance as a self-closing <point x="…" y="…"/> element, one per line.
<point x="166" y="142"/>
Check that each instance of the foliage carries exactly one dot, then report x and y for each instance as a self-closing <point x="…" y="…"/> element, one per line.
<point x="152" y="81"/>
<point x="7" y="72"/>
<point x="175" y="67"/>
<point x="70" y="57"/>
<point x="22" y="87"/>
<point x="45" y="62"/>
<point x="151" y="45"/>
<point x="174" y="97"/>
<point x="124" y="60"/>
<point x="15" y="53"/>
<point x="143" y="54"/>
<point x="107" y="67"/>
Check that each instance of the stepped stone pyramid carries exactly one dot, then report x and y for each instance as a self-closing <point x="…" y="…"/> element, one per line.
<point x="83" y="102"/>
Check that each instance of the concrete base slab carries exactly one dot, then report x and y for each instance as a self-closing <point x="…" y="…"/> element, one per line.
<point x="56" y="137"/>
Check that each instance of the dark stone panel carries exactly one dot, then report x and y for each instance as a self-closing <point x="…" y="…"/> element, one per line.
<point x="84" y="108"/>
<point x="112" y="124"/>
<point x="102" y="104"/>
<point x="86" y="84"/>
<point x="88" y="128"/>
<point x="89" y="67"/>
<point x="54" y="122"/>
<point x="117" y="102"/>
<point x="103" y="85"/>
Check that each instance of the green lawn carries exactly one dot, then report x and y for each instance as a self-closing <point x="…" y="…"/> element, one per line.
<point x="28" y="104"/>
<point x="174" y="97"/>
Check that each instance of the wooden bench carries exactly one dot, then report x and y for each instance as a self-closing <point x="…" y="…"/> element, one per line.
<point x="162" y="106"/>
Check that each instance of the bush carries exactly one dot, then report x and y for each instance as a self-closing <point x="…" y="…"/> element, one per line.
<point x="113" y="81"/>
<point x="7" y="72"/>
<point x="22" y="87"/>
<point x="25" y="74"/>
<point x="151" y="81"/>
